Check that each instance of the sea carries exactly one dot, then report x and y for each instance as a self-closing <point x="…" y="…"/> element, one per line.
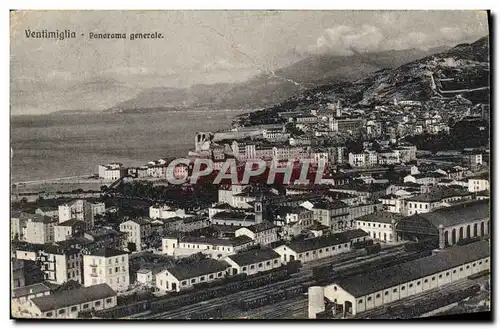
<point x="66" y="145"/>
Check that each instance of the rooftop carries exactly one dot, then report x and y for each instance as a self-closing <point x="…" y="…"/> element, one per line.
<point x="438" y="195"/>
<point x="459" y="213"/>
<point x="73" y="297"/>
<point x="325" y="240"/>
<point x="364" y="284"/>
<point x="254" y="256"/>
<point x="31" y="289"/>
<point x="71" y="222"/>
<point x="264" y="226"/>
<point x="108" y="252"/>
<point x="203" y="267"/>
<point x="380" y="217"/>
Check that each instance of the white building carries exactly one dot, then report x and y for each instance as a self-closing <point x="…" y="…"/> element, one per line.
<point x="165" y="212"/>
<point x="185" y="276"/>
<point x="254" y="261"/>
<point x="379" y="225"/>
<point x="68" y="229"/>
<point x="81" y="210"/>
<point x="108" y="266"/>
<point x="39" y="229"/>
<point x="479" y="183"/>
<point x="374" y="289"/>
<point x="61" y="264"/>
<point x="68" y="303"/>
<point x="320" y="247"/>
<point x="138" y="230"/>
<point x="264" y="233"/>
<point x="111" y="171"/>
<point x="215" y="248"/>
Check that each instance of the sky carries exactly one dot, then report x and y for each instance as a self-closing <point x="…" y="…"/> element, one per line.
<point x="206" y="47"/>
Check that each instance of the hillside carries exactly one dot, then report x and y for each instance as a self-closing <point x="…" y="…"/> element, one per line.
<point x="274" y="87"/>
<point x="462" y="70"/>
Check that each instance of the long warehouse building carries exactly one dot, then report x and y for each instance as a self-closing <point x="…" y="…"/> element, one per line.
<point x="370" y="290"/>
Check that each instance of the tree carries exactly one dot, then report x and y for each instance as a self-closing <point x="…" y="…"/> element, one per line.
<point x="131" y="247"/>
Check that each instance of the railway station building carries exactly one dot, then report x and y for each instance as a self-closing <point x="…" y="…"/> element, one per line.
<point x="373" y="289"/>
<point x="321" y="247"/>
<point x="182" y="277"/>
<point x="254" y="261"/>
<point x="447" y="225"/>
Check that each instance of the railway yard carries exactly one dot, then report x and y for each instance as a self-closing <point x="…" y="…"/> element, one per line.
<point x="287" y="298"/>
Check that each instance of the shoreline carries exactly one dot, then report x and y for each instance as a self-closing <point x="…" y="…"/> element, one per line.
<point x="51" y="180"/>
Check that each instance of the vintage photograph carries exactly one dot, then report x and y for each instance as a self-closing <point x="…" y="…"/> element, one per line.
<point x="250" y="164"/>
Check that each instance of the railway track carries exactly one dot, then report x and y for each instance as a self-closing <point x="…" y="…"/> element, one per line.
<point x="301" y="277"/>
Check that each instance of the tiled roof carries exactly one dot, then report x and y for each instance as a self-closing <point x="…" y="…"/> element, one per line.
<point x="73" y="297"/>
<point x="203" y="267"/>
<point x="380" y="217"/>
<point x="254" y="256"/>
<point x="364" y="284"/>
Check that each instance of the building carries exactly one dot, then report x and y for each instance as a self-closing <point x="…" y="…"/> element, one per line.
<point x="68" y="303"/>
<point x="185" y="276"/>
<point x="81" y="210"/>
<point x="107" y="266"/>
<point x="254" y="261"/>
<point x="264" y="233"/>
<point x="39" y="229"/>
<point x="61" y="264"/>
<point x="68" y="229"/>
<point x="138" y="230"/>
<point x="364" y="159"/>
<point x="18" y="220"/>
<point x="447" y="225"/>
<point x="374" y="289"/>
<point x="434" y="199"/>
<point x="233" y="218"/>
<point x="479" y="183"/>
<point x="215" y="248"/>
<point x="111" y="171"/>
<point x="293" y="220"/>
<point x="185" y="224"/>
<point x="22" y="295"/>
<point x="165" y="212"/>
<point x="321" y="247"/>
<point x="379" y="225"/>
<point x="333" y="214"/>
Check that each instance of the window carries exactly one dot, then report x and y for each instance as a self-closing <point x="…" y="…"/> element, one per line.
<point x="307" y="254"/>
<point x="244" y="268"/>
<point x="433" y="278"/>
<point x="345" y="245"/>
<point x="461" y="269"/>
<point x="467" y="267"/>
<point x="252" y="267"/>
<point x="411" y="285"/>
<point x="73" y="308"/>
<point x="326" y="249"/>
<point x="117" y="269"/>
<point x="386" y="293"/>
<point x="454" y="271"/>
<point x="193" y="280"/>
<point x="320" y="251"/>
<point x="85" y="306"/>
<point x="110" y="271"/>
<point x="108" y="300"/>
<point x="300" y="256"/>
<point x="378" y="225"/>
<point x="184" y="282"/>
<point x="61" y="311"/>
<point x="219" y="275"/>
<point x="440" y="276"/>
<point x="360" y="301"/>
<point x="202" y="278"/>
<point x="418" y="283"/>
<point x="275" y="261"/>
<point x="260" y="265"/>
<point x="425" y="280"/>
<point x="395" y="290"/>
<point x="49" y="314"/>
<point x="123" y="258"/>
<point x="480" y="263"/>
<point x="485" y="261"/>
<point x="447" y="273"/>
<point x="211" y="276"/>
<point x="377" y="296"/>
<point x="402" y="288"/>
<point x="334" y="288"/>
<point x="98" y="303"/>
